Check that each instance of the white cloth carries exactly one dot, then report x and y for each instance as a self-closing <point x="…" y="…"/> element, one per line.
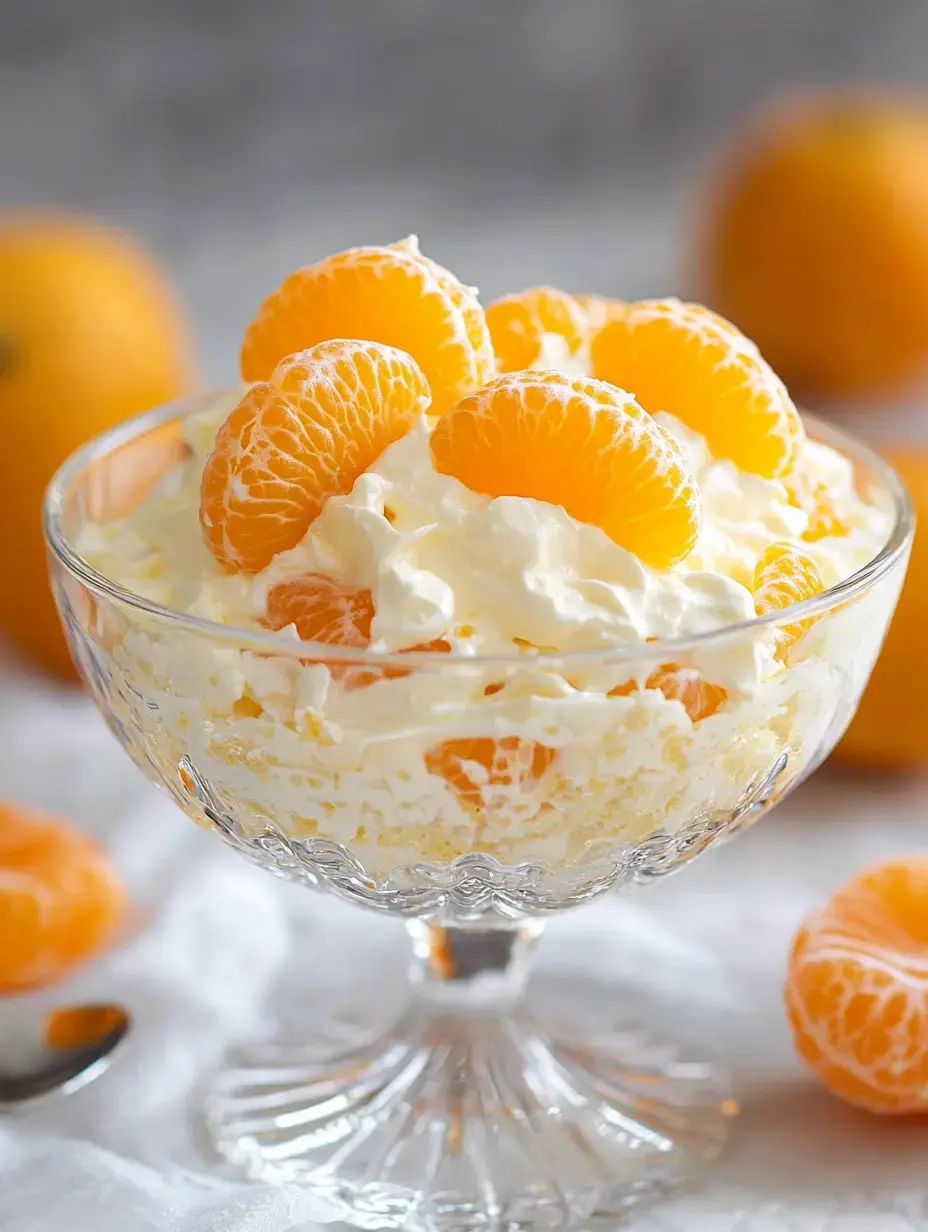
<point x="219" y="950"/>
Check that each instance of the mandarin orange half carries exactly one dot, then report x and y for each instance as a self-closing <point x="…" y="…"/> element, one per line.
<point x="392" y="295"/>
<point x="325" y="416"/>
<point x="691" y="363"/>
<point x="857" y="989"/>
<point x="61" y="899"/>
<point x="580" y="444"/>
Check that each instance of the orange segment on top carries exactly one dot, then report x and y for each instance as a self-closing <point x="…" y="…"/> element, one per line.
<point x="581" y="444"/>
<point x="691" y="363"/>
<point x="390" y="294"/>
<point x="857" y="989"/>
<point x="61" y="900"/>
<point x="785" y="575"/>
<point x="519" y="323"/>
<point x="324" y="417"/>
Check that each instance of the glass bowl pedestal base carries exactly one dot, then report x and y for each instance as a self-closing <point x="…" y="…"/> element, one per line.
<point x="469" y="1113"/>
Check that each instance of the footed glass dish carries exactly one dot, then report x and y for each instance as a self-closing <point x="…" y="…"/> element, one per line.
<point x="473" y="797"/>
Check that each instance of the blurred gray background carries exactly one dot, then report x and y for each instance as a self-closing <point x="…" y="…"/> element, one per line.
<point x="524" y="140"/>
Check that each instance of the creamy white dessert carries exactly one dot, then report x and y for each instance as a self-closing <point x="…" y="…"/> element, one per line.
<point x="285" y="742"/>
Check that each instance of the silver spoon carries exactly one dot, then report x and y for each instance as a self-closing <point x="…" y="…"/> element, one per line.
<point x="56" y="1052"/>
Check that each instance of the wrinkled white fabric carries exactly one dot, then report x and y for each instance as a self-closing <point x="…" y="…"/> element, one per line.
<point x="219" y="951"/>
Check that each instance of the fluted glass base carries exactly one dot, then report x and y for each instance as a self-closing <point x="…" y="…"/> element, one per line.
<point x="470" y="1113"/>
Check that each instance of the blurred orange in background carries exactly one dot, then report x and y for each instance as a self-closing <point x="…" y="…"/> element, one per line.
<point x="890" y="729"/>
<point x="817" y="243"/>
<point x="90" y="334"/>
<point x="61" y="898"/>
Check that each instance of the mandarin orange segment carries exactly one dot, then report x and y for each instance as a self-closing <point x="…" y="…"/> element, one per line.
<point x="61" y="900"/>
<point x="785" y="575"/>
<point x="857" y="989"/>
<point x="815" y="500"/>
<point x="698" y="696"/>
<point x="472" y="767"/>
<point x="325" y="416"/>
<point x="688" y="361"/>
<point x="519" y="323"/>
<point x="392" y="295"/>
<point x="580" y="444"/>
<point x="321" y="610"/>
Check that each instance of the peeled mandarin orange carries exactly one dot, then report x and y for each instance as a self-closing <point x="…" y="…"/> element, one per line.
<point x="580" y="444"/>
<point x="61" y="900"/>
<point x="688" y="361"/>
<point x="519" y="323"/>
<point x="698" y="696"/>
<point x="392" y="295"/>
<point x="857" y="989"/>
<point x="473" y="766"/>
<point x="321" y="611"/>
<point x="785" y="575"/>
<point x="324" y="417"/>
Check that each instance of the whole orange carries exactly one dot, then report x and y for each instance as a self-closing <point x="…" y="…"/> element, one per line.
<point x="817" y="243"/>
<point x="890" y="728"/>
<point x="90" y="333"/>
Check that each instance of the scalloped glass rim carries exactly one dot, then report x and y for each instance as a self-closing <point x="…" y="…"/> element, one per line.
<point x="273" y="642"/>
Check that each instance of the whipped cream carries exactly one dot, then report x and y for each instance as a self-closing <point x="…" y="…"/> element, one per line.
<point x="292" y="745"/>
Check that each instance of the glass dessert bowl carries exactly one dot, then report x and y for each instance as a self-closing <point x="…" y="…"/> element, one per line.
<point x="466" y="1109"/>
<point x="444" y="626"/>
